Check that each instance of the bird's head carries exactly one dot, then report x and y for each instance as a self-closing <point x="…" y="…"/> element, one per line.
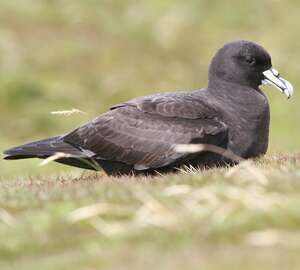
<point x="248" y="64"/>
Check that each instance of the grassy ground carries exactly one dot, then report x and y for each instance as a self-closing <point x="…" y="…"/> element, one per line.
<point x="243" y="217"/>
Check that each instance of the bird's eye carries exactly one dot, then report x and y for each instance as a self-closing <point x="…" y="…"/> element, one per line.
<point x="250" y="60"/>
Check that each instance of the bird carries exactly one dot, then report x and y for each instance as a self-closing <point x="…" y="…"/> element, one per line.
<point x="140" y="136"/>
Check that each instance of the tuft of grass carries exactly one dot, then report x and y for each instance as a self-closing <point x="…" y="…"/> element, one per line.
<point x="246" y="216"/>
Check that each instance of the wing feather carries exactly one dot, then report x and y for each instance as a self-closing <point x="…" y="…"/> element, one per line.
<point x="143" y="132"/>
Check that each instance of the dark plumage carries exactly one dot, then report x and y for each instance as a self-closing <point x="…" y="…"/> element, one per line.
<point x="139" y="136"/>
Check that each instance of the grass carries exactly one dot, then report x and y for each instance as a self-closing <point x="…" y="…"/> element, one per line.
<point x="246" y="216"/>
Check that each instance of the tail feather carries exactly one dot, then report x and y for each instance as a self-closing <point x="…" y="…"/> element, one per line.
<point x="42" y="149"/>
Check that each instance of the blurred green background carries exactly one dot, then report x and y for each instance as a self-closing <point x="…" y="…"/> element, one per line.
<point x="64" y="54"/>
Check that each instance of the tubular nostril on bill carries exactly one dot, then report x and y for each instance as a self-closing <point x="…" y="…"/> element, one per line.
<point x="275" y="72"/>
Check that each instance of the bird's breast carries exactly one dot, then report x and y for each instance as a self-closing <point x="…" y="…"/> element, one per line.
<point x="249" y="130"/>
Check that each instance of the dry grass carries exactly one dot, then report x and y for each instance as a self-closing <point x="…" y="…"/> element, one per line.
<point x="90" y="220"/>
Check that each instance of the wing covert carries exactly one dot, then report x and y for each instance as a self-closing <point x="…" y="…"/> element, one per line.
<point x="180" y="104"/>
<point x="144" y="135"/>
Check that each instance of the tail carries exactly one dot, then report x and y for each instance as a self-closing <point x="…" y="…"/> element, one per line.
<point x="42" y="149"/>
<point x="49" y="147"/>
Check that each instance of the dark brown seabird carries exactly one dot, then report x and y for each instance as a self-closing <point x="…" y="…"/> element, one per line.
<point x="141" y="135"/>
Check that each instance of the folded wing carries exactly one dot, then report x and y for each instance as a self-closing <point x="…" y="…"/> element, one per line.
<point x="144" y="132"/>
